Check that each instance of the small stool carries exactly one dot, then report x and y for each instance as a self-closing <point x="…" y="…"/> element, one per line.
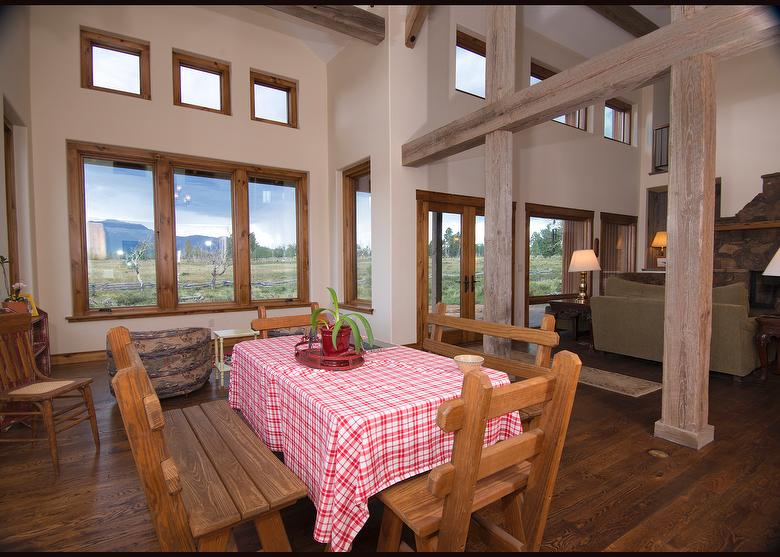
<point x="219" y="348"/>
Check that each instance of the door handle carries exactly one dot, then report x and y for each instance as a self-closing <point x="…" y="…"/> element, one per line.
<point x="466" y="284"/>
<point x="473" y="283"/>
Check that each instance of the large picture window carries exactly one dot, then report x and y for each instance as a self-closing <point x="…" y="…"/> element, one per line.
<point x="159" y="233"/>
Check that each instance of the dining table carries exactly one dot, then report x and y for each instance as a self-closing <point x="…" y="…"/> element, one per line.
<point x="350" y="434"/>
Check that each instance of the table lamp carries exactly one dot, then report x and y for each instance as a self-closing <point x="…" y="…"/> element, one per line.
<point x="582" y="261"/>
<point x="659" y="241"/>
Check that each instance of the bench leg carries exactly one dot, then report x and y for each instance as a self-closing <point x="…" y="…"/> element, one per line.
<point x="217" y="542"/>
<point x="390" y="532"/>
<point x="270" y="530"/>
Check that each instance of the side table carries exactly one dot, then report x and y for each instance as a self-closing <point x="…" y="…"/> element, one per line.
<point x="571" y="309"/>
<point x="768" y="331"/>
<point x="219" y="348"/>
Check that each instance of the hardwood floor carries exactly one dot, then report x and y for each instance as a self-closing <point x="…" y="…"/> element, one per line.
<point x="611" y="494"/>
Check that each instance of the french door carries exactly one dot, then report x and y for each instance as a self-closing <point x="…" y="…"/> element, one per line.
<point x="450" y="259"/>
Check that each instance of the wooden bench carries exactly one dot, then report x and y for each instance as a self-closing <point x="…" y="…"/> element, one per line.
<point x="263" y="323"/>
<point x="545" y="338"/>
<point x="202" y="468"/>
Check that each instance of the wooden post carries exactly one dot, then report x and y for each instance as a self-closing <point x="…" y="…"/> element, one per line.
<point x="500" y="82"/>
<point x="690" y="227"/>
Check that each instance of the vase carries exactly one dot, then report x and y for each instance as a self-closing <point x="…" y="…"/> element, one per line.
<point x="342" y="341"/>
<point x="17" y="307"/>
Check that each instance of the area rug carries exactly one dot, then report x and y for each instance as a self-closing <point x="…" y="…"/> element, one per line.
<point x="607" y="380"/>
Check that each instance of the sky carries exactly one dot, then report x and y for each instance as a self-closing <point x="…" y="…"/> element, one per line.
<point x="469" y="72"/>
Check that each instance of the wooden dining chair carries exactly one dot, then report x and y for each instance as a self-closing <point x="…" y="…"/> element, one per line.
<point x="520" y="471"/>
<point x="263" y="323"/>
<point x="26" y="392"/>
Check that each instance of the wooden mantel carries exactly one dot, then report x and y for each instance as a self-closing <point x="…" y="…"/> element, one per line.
<point x="748" y="225"/>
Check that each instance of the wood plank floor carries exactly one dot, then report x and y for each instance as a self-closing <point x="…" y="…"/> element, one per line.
<point x="611" y="494"/>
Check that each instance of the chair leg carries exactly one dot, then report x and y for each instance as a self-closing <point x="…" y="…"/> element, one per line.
<point x="87" y="394"/>
<point x="48" y="421"/>
<point x="512" y="519"/>
<point x="270" y="530"/>
<point x="390" y="532"/>
<point x="426" y="545"/>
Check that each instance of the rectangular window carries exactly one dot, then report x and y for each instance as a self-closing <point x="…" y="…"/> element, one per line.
<point x="357" y="235"/>
<point x="273" y="99"/>
<point x="120" y="242"/>
<point x="159" y="233"/>
<point x="200" y="82"/>
<point x="115" y="64"/>
<point x="470" y="64"/>
<point x="273" y="243"/>
<point x="617" y="120"/>
<point x="577" y="119"/>
<point x="204" y="236"/>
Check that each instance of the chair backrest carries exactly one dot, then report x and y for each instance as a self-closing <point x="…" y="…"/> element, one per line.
<point x="545" y="337"/>
<point x="144" y="422"/>
<point x="17" y="361"/>
<point x="539" y="448"/>
<point x="119" y="339"/>
<point x="263" y="323"/>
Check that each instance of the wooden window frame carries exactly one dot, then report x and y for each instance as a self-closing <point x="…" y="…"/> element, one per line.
<point x="283" y="84"/>
<point x="626" y="110"/>
<point x="10" y="203"/>
<point x="165" y="234"/>
<point x="349" y="235"/>
<point x="577" y="119"/>
<point x="472" y="44"/>
<point x="120" y="43"/>
<point x="205" y="64"/>
<point x="551" y="212"/>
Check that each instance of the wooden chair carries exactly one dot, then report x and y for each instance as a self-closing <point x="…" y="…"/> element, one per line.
<point x="263" y="323"/>
<point x="202" y="469"/>
<point x="545" y="338"/>
<point x="520" y="471"/>
<point x="26" y="392"/>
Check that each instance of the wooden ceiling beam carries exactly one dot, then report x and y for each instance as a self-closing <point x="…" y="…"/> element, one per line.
<point x="627" y="18"/>
<point x="350" y="20"/>
<point x="415" y="17"/>
<point x="722" y="31"/>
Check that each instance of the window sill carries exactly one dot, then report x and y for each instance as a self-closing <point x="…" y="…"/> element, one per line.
<point x="216" y="308"/>
<point x="356" y="307"/>
<point x="654" y="172"/>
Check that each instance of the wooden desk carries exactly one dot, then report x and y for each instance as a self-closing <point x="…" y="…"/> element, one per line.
<point x="768" y="331"/>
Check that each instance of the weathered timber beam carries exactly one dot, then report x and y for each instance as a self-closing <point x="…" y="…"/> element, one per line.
<point x="415" y="17"/>
<point x="627" y="18"/>
<point x="722" y="31"/>
<point x="350" y="20"/>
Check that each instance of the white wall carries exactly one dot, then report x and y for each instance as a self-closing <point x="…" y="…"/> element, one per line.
<point x="555" y="164"/>
<point x="62" y="110"/>
<point x="747" y="92"/>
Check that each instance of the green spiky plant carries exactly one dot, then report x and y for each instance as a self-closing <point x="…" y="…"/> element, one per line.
<point x="341" y="319"/>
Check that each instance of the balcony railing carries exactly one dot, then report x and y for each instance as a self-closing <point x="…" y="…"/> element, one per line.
<point x="660" y="149"/>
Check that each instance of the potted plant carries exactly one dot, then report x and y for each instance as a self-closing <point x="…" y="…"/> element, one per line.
<point x="16" y="302"/>
<point x="335" y="334"/>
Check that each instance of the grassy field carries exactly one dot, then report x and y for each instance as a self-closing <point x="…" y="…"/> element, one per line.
<point x="113" y="284"/>
<point x="545" y="275"/>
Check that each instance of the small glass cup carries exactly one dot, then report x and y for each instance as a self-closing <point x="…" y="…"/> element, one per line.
<point x="468" y="363"/>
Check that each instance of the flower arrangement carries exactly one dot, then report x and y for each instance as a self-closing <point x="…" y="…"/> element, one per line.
<point x="16" y="293"/>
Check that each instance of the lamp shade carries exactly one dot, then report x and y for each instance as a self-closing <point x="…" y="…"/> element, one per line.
<point x="584" y="260"/>
<point x="773" y="269"/>
<point x="659" y="240"/>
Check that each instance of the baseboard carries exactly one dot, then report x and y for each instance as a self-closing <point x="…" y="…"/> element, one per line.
<point x="78" y="357"/>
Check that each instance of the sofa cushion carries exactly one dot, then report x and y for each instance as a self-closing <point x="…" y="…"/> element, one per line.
<point x="616" y="286"/>
<point x="736" y="294"/>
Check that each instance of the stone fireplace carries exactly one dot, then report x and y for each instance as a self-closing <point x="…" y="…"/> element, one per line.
<point x="747" y="241"/>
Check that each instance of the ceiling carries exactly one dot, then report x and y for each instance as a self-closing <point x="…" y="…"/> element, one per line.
<point x="574" y="26"/>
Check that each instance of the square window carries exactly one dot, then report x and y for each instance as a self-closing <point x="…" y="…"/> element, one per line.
<point x="577" y="119"/>
<point x="115" y="64"/>
<point x="470" y="65"/>
<point x="274" y="99"/>
<point x="617" y="121"/>
<point x="201" y="83"/>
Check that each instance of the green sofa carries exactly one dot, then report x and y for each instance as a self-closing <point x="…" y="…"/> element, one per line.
<point x="629" y="319"/>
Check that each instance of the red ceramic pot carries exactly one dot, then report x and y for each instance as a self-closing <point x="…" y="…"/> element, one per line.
<point x="342" y="341"/>
<point x="19" y="307"/>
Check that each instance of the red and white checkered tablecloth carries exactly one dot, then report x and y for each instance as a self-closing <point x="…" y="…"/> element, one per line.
<point x="350" y="434"/>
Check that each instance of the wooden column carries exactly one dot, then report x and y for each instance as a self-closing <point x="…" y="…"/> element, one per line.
<point x="500" y="82"/>
<point x="690" y="227"/>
